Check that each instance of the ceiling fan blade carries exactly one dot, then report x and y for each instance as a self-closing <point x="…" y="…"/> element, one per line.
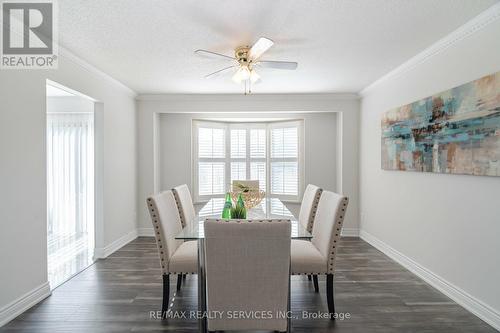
<point x="261" y="46"/>
<point x="216" y="73"/>
<point x="291" y="65"/>
<point x="212" y="54"/>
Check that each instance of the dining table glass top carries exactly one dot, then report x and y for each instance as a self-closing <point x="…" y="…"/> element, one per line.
<point x="269" y="208"/>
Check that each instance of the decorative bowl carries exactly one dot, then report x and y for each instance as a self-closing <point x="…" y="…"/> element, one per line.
<point x="251" y="198"/>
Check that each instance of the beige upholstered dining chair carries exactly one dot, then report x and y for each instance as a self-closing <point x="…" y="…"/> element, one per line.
<point x="176" y="257"/>
<point x="187" y="213"/>
<point x="307" y="214"/>
<point x="184" y="203"/>
<point x="248" y="269"/>
<point x="318" y="255"/>
<point x="309" y="206"/>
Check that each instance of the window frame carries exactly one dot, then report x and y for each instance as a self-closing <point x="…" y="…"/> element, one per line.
<point x="228" y="126"/>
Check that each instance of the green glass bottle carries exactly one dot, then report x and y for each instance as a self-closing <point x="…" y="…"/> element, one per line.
<point x="240" y="202"/>
<point x="226" y="212"/>
<point x="241" y="207"/>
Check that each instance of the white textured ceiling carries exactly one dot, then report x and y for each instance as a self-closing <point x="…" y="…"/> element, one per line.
<point x="340" y="45"/>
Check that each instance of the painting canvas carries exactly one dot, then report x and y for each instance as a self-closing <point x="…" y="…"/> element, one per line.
<point x="456" y="131"/>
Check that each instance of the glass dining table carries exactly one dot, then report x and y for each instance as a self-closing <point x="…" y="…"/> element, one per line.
<point x="269" y="208"/>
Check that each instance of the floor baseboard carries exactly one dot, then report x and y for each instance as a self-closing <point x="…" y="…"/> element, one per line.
<point x="470" y="303"/>
<point x="145" y="232"/>
<point x="101" y="253"/>
<point x="350" y="232"/>
<point x="23" y="303"/>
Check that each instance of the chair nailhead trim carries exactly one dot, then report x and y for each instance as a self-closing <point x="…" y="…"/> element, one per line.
<point x="179" y="207"/>
<point x="340" y="220"/>
<point x="156" y="224"/>
<point x="310" y="224"/>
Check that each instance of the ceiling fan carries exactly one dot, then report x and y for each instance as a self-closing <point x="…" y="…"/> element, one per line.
<point x="246" y="59"/>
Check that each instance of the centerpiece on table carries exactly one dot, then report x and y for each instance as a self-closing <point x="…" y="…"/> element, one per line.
<point x="249" y="191"/>
<point x="238" y="211"/>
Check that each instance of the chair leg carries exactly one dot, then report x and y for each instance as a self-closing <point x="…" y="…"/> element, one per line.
<point x="315" y="281"/>
<point x="329" y="295"/>
<point x="184" y="277"/>
<point x="179" y="281"/>
<point x="309" y="277"/>
<point x="166" y="295"/>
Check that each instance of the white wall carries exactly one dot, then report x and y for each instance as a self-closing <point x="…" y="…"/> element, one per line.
<point x="447" y="224"/>
<point x="69" y="104"/>
<point x="319" y="159"/>
<point x="23" y="236"/>
<point x="343" y="177"/>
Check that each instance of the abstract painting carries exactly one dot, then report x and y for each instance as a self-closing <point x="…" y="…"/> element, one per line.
<point x="456" y="131"/>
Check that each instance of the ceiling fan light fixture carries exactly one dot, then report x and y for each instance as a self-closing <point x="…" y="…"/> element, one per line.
<point x="245" y="59"/>
<point x="254" y="77"/>
<point x="242" y="74"/>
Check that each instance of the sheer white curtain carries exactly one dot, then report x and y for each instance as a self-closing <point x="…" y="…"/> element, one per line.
<point x="70" y="193"/>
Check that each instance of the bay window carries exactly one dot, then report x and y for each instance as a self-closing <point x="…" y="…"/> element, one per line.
<point x="270" y="152"/>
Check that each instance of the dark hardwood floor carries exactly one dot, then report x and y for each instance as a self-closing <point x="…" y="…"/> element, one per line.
<point x="117" y="295"/>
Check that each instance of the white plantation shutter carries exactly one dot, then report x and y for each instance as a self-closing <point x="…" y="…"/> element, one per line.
<point x="284" y="178"/>
<point x="267" y="152"/>
<point x="212" y="143"/>
<point x="238" y="143"/>
<point x="211" y="178"/>
<point x="284" y="169"/>
<point x="258" y="172"/>
<point x="258" y="143"/>
<point x="238" y="171"/>
<point x="211" y="164"/>
<point x="284" y="142"/>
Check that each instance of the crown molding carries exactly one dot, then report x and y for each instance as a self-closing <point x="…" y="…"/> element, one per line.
<point x="476" y="24"/>
<point x="236" y="97"/>
<point x="70" y="56"/>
